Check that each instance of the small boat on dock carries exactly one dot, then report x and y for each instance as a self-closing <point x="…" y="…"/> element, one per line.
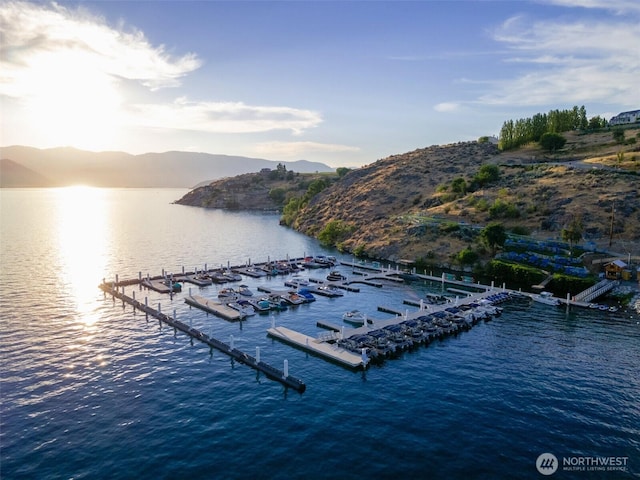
<point x="293" y="298"/>
<point x="328" y="291"/>
<point x="354" y="317"/>
<point x="307" y="295"/>
<point x="244" y="291"/>
<point x="335" y="276"/>
<point x="228" y="295"/>
<point x="546" y="298"/>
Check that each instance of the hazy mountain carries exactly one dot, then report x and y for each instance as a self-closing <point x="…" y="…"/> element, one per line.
<point x="13" y="174"/>
<point x="68" y="166"/>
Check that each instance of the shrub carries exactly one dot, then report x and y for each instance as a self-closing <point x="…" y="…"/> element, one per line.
<point x="552" y="141"/>
<point x="514" y="272"/>
<point x="467" y="257"/>
<point x="333" y="232"/>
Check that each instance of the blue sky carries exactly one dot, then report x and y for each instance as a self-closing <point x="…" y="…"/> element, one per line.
<point x="344" y="83"/>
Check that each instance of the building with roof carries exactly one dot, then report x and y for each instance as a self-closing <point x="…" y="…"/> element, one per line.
<point x="613" y="270"/>
<point x="625" y="118"/>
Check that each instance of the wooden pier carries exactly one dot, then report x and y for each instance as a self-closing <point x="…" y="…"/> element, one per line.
<point x="271" y="372"/>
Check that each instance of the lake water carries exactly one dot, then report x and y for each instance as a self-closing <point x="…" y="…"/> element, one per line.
<point x="92" y="390"/>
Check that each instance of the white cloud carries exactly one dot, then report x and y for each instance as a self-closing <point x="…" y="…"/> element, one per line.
<point x="446" y="107"/>
<point x="575" y="62"/>
<point x="67" y="69"/>
<point x="616" y="6"/>
<point x="39" y="39"/>
<point x="295" y="149"/>
<point x="222" y="117"/>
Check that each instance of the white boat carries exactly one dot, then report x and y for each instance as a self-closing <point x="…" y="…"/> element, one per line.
<point x="547" y="298"/>
<point x="231" y="276"/>
<point x="355" y="317"/>
<point x="228" y="295"/>
<point x="329" y="291"/>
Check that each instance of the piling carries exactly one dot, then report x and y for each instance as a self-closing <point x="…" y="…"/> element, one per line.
<point x="271" y="372"/>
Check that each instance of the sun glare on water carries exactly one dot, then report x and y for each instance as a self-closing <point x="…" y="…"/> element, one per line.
<point x="81" y="242"/>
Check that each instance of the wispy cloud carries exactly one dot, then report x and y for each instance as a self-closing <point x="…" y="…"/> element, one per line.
<point x="578" y="61"/>
<point x="222" y="117"/>
<point x="616" y="6"/>
<point x="296" y="149"/>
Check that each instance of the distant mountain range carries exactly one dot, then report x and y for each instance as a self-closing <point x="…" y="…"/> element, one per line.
<point x="32" y="167"/>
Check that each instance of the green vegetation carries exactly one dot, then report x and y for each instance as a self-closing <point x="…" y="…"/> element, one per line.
<point x="503" y="209"/>
<point x="552" y="141"/>
<point x="468" y="256"/>
<point x="563" y="284"/>
<point x="525" y="130"/>
<point x="514" y="272"/>
<point x="334" y="232"/>
<point x="488" y="173"/>
<point x="572" y="233"/>
<point x="618" y="135"/>
<point x="278" y="195"/>
<point x="493" y="236"/>
<point x="296" y="203"/>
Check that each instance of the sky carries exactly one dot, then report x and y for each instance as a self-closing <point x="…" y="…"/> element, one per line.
<point x="340" y="82"/>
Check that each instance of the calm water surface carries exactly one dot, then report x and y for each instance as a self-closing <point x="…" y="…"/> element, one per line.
<point x="91" y="389"/>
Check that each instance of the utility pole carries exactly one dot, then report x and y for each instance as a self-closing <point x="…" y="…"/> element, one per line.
<point x="613" y="202"/>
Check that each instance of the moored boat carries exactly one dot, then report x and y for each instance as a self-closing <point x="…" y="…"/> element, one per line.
<point x="354" y="317"/>
<point x="335" y="276"/>
<point x="547" y="298"/>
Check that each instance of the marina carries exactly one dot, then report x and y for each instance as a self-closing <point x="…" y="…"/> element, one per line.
<point x="360" y="339"/>
<point x="254" y="362"/>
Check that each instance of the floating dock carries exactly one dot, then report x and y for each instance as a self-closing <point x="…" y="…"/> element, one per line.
<point x="271" y="372"/>
<point x="313" y="345"/>
<point x="217" y="308"/>
<point x="156" y="285"/>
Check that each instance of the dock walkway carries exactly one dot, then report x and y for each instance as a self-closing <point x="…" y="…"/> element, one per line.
<point x="271" y="372"/>
<point x="216" y="308"/>
<point x="313" y="345"/>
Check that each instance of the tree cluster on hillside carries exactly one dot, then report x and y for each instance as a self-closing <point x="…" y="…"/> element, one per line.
<point x="524" y="130"/>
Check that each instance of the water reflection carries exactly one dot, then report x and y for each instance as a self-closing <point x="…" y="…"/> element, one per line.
<point x="81" y="234"/>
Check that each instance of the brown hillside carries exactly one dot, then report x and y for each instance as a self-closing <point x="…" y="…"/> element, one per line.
<point x="399" y="206"/>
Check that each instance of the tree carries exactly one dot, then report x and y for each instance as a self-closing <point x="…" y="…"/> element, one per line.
<point x="493" y="236"/>
<point x="333" y="232"/>
<point x="459" y="185"/>
<point x="618" y="135"/>
<point x="467" y="257"/>
<point x="597" y="122"/>
<point x="342" y="171"/>
<point x="572" y="234"/>
<point x="552" y="141"/>
<point x="278" y="195"/>
<point x="486" y="174"/>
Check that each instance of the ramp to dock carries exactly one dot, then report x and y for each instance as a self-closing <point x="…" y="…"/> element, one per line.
<point x="596" y="291"/>
<point x="310" y="344"/>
